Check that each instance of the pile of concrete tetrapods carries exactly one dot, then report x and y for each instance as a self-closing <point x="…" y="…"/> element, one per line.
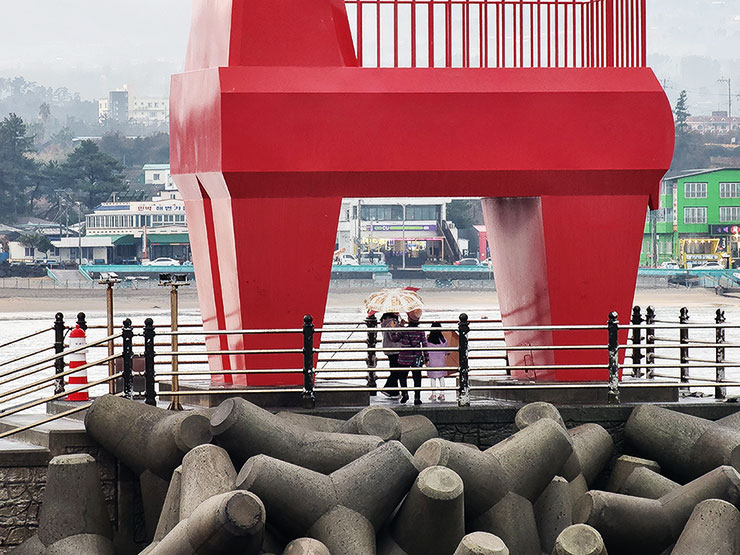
<point x="388" y="485"/>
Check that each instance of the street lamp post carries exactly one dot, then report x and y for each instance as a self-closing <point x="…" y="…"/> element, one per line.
<point x="79" y="231"/>
<point x="403" y="239"/>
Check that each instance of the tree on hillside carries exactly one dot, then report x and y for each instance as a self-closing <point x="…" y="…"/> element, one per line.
<point x="134" y="153"/>
<point x="91" y="174"/>
<point x="18" y="171"/>
<point x="465" y="212"/>
<point x="38" y="241"/>
<point x="682" y="113"/>
<point x="690" y="151"/>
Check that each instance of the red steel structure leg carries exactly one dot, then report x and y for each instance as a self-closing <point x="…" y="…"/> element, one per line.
<point x="563" y="261"/>
<point x="273" y="122"/>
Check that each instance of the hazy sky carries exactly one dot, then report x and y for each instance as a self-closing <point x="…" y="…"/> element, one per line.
<point x="92" y="46"/>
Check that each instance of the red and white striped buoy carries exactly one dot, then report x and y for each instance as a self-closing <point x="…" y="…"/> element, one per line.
<point x="77" y="339"/>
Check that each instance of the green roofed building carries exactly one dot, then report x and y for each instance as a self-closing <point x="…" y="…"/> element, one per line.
<point x="698" y="220"/>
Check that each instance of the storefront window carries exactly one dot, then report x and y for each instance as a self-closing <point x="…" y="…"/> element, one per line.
<point x="423" y="212"/>
<point x="382" y="212"/>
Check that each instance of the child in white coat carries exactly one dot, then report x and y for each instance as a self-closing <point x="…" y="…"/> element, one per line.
<point x="437" y="360"/>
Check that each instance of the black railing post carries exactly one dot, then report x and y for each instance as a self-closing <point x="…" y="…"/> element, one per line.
<point x="650" y="340"/>
<point x="684" y="339"/>
<point x="613" y="327"/>
<point x="720" y="392"/>
<point x="463" y="392"/>
<point x="372" y="357"/>
<point x="309" y="399"/>
<point x="127" y="335"/>
<point x="150" y="392"/>
<point x="636" y="340"/>
<point x="81" y="321"/>
<point x="59" y="330"/>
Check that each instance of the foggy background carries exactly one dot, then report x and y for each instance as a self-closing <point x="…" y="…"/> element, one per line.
<point x="93" y="46"/>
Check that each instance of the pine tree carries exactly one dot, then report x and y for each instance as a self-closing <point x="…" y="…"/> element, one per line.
<point x="682" y="113"/>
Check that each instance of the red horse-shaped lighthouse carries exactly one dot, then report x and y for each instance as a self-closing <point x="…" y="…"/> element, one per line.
<point x="543" y="108"/>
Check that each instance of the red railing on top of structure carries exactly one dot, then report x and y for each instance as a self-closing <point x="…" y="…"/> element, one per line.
<point x="499" y="33"/>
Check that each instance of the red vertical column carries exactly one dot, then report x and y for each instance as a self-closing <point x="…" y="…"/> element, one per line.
<point x="207" y="272"/>
<point x="553" y="258"/>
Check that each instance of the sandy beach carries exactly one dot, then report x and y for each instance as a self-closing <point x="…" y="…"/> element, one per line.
<point x="92" y="301"/>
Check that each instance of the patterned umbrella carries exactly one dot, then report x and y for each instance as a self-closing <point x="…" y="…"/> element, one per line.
<point x="394" y="300"/>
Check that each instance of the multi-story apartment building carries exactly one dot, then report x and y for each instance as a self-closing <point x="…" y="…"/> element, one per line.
<point x="123" y="107"/>
<point x="698" y="219"/>
<point x="408" y="231"/>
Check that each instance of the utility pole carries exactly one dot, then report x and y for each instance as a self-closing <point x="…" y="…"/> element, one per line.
<point x="729" y="94"/>
<point x="79" y="229"/>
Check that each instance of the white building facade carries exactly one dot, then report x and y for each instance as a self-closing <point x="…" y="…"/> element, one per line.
<point x="408" y="231"/>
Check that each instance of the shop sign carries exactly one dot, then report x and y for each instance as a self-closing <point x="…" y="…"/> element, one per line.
<point x="724" y="229"/>
<point x="400" y="227"/>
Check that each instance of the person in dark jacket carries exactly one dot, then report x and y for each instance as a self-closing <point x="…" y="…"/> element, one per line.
<point x="411" y="336"/>
<point x="389" y="321"/>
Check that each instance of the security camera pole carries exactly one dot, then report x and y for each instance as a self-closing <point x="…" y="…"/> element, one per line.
<point x="174" y="281"/>
<point x="109" y="280"/>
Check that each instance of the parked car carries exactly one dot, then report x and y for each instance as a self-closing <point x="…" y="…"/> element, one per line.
<point x="346" y="260"/>
<point x="162" y="261"/>
<point x="708" y="266"/>
<point x="670" y="265"/>
<point x="468" y="262"/>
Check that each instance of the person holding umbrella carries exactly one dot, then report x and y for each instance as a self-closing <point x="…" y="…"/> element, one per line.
<point x="390" y="303"/>
<point x="410" y="337"/>
<point x="389" y="321"/>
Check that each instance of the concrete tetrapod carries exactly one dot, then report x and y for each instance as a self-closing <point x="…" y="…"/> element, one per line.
<point x="170" y="515"/>
<point x="415" y="430"/>
<point x="532" y="412"/>
<point x="592" y="444"/>
<point x="343" y="510"/>
<point x="73" y="501"/>
<point x="505" y="479"/>
<point x="652" y="524"/>
<point x="246" y="430"/>
<point x="685" y="446"/>
<point x="231" y="522"/>
<point x="381" y="422"/>
<point x="32" y="546"/>
<point x="306" y="546"/>
<point x="579" y="539"/>
<point x="481" y="543"/>
<point x="643" y="482"/>
<point x="144" y="437"/>
<point x="553" y="512"/>
<point x="206" y="471"/>
<point x="713" y="529"/>
<point x="431" y="520"/>
<point x="623" y="467"/>
<point x="82" y="544"/>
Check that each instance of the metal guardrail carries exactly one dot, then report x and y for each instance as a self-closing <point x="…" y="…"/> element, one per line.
<point x="643" y="354"/>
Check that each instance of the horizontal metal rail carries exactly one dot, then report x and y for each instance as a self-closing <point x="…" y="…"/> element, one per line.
<point x="679" y="327"/>
<point x="25" y="374"/>
<point x="27" y="355"/>
<point x="28" y="336"/>
<point x="54" y="377"/>
<point x="36" y="403"/>
<point x="64" y="353"/>
<point x="234" y="352"/>
<point x="681" y="365"/>
<point x="51" y="418"/>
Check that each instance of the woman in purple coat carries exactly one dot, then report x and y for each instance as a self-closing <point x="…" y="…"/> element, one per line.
<point x="410" y="337"/>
